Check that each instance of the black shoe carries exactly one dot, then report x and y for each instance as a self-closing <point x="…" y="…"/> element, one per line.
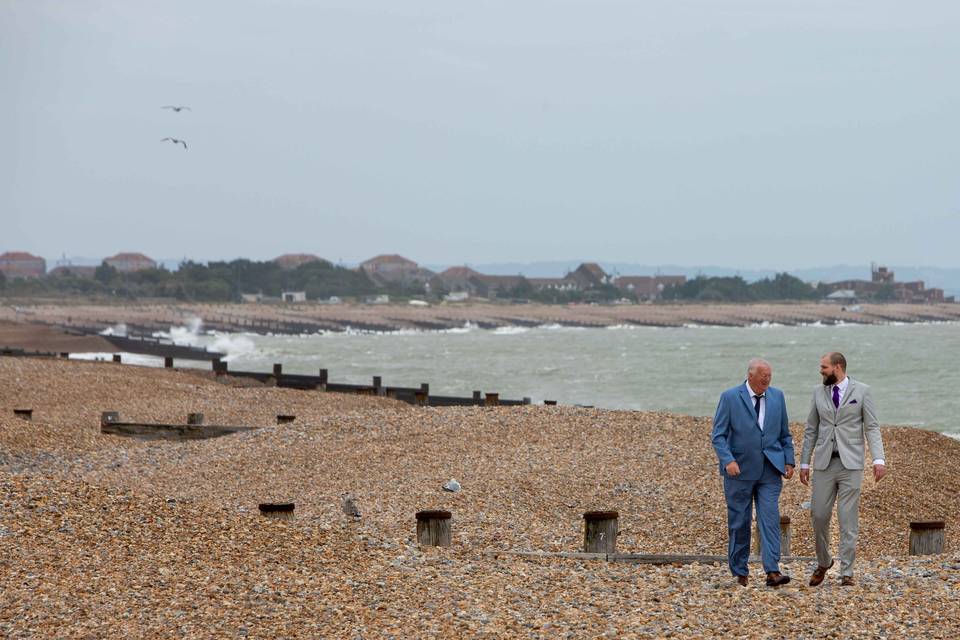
<point x="776" y="579"/>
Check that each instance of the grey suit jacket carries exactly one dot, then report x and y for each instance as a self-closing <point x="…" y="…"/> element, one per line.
<point x="851" y="424"/>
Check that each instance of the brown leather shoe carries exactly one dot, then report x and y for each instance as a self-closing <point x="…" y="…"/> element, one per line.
<point x="743" y="580"/>
<point x="846" y="581"/>
<point x="775" y="579"/>
<point x="819" y="575"/>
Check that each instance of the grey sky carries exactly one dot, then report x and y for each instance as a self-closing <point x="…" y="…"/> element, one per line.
<point x="750" y="133"/>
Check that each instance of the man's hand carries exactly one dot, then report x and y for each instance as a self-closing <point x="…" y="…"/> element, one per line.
<point x="733" y="469"/>
<point x="789" y="471"/>
<point x="879" y="471"/>
<point x="805" y="476"/>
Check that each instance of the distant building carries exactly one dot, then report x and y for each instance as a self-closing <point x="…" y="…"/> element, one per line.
<point x="647" y="287"/>
<point x="496" y="286"/>
<point x="294" y="260"/>
<point x="554" y="284"/>
<point x="20" y="264"/>
<point x="387" y="269"/>
<point x="882" y="285"/>
<point x="251" y="297"/>
<point x="129" y="262"/>
<point x="456" y="279"/>
<point x="589" y="275"/>
<point x="846" y="296"/>
<point x="294" y="296"/>
<point x="73" y="270"/>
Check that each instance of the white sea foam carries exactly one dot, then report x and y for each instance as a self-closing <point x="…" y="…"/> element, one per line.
<point x="510" y="331"/>
<point x="119" y="330"/>
<point x="233" y="345"/>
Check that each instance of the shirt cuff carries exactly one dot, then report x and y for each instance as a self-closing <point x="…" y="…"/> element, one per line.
<point x="879" y="461"/>
<point x="804" y="466"/>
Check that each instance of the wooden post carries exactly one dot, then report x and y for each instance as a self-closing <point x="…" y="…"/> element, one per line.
<point x="477" y="398"/>
<point x="323" y="378"/>
<point x="116" y="358"/>
<point x="927" y="537"/>
<point x="786" y="537"/>
<point x="420" y="398"/>
<point x="550" y="403"/>
<point x="109" y="417"/>
<point x="24" y="414"/>
<point x="493" y="400"/>
<point x="377" y="383"/>
<point x="600" y="530"/>
<point x="216" y="365"/>
<point x="64" y="354"/>
<point x="284" y="419"/>
<point x="195" y="419"/>
<point x="278" y="371"/>
<point x="526" y="400"/>
<point x="277" y="510"/>
<point x="433" y="528"/>
<point x="168" y="362"/>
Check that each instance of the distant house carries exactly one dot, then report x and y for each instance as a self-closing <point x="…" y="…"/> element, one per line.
<point x="589" y="275"/>
<point x="883" y="285"/>
<point x="554" y="284"/>
<point x="647" y="287"/>
<point x="294" y="260"/>
<point x="395" y="269"/>
<point x="494" y="286"/>
<point x="294" y="296"/>
<point x="20" y="264"/>
<point x="73" y="270"/>
<point x="251" y="297"/>
<point x="456" y="279"/>
<point x="846" y="296"/>
<point x="129" y="262"/>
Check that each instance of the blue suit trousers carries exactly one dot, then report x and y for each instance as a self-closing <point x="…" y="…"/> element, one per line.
<point x="740" y="496"/>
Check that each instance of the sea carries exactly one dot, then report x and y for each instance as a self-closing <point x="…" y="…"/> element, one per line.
<point x="913" y="369"/>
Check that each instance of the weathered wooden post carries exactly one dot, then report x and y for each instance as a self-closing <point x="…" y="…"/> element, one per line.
<point x="24" y="414"/>
<point x="526" y="400"/>
<point x="278" y="372"/>
<point x="786" y="537"/>
<point x="550" y="403"/>
<point x="433" y="528"/>
<point x="277" y="510"/>
<point x="285" y="418"/>
<point x="168" y="362"/>
<point x="478" y="398"/>
<point x="600" y="529"/>
<point x="425" y="388"/>
<point x="927" y="537"/>
<point x="323" y="378"/>
<point x="420" y="398"/>
<point x="377" y="385"/>
<point x="194" y="419"/>
<point x="116" y="358"/>
<point x="108" y="418"/>
<point x="64" y="354"/>
<point x="216" y="365"/>
<point x="493" y="400"/>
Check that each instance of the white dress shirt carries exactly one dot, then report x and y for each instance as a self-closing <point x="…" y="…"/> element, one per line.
<point x="753" y="401"/>
<point x="842" y="386"/>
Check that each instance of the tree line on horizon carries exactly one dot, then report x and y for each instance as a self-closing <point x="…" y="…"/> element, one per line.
<point x="226" y="281"/>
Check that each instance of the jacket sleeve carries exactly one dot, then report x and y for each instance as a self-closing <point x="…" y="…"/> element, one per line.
<point x="721" y="432"/>
<point x="786" y="439"/>
<point x="810" y="432"/>
<point x="871" y="426"/>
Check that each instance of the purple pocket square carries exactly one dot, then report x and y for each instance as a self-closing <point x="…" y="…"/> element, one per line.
<point x="853" y="402"/>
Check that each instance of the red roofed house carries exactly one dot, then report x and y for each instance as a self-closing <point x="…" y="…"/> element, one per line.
<point x="127" y="262"/>
<point x="456" y="279"/>
<point x="294" y="260"/>
<point x="20" y="264"/>
<point x="385" y="269"/>
<point x="589" y="275"/>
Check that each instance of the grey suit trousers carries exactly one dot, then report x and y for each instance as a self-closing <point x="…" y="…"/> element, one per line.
<point x="836" y="484"/>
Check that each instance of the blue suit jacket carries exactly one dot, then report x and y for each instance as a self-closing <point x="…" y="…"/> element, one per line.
<point x="737" y="436"/>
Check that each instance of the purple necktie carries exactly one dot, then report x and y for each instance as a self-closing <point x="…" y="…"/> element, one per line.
<point x="836" y="396"/>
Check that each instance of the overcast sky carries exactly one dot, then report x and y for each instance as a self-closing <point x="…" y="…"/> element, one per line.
<point x="747" y="133"/>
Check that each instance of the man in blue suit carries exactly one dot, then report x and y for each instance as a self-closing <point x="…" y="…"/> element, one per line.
<point x="753" y="443"/>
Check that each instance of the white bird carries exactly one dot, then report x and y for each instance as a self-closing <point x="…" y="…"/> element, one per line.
<point x="349" y="506"/>
<point x="177" y="109"/>
<point x="175" y="141"/>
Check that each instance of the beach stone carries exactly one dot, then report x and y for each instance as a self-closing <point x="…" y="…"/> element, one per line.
<point x="451" y="485"/>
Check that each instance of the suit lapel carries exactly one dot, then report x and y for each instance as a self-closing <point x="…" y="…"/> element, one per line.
<point x="846" y="396"/>
<point x="745" y="395"/>
<point x="767" y="410"/>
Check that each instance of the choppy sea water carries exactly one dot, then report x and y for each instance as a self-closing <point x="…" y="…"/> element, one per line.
<point x="914" y="369"/>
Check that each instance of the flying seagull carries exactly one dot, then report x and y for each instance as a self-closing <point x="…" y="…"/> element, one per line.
<point x="175" y="141"/>
<point x="177" y="109"/>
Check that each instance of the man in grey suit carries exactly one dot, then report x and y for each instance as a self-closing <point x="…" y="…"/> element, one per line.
<point x="842" y="416"/>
